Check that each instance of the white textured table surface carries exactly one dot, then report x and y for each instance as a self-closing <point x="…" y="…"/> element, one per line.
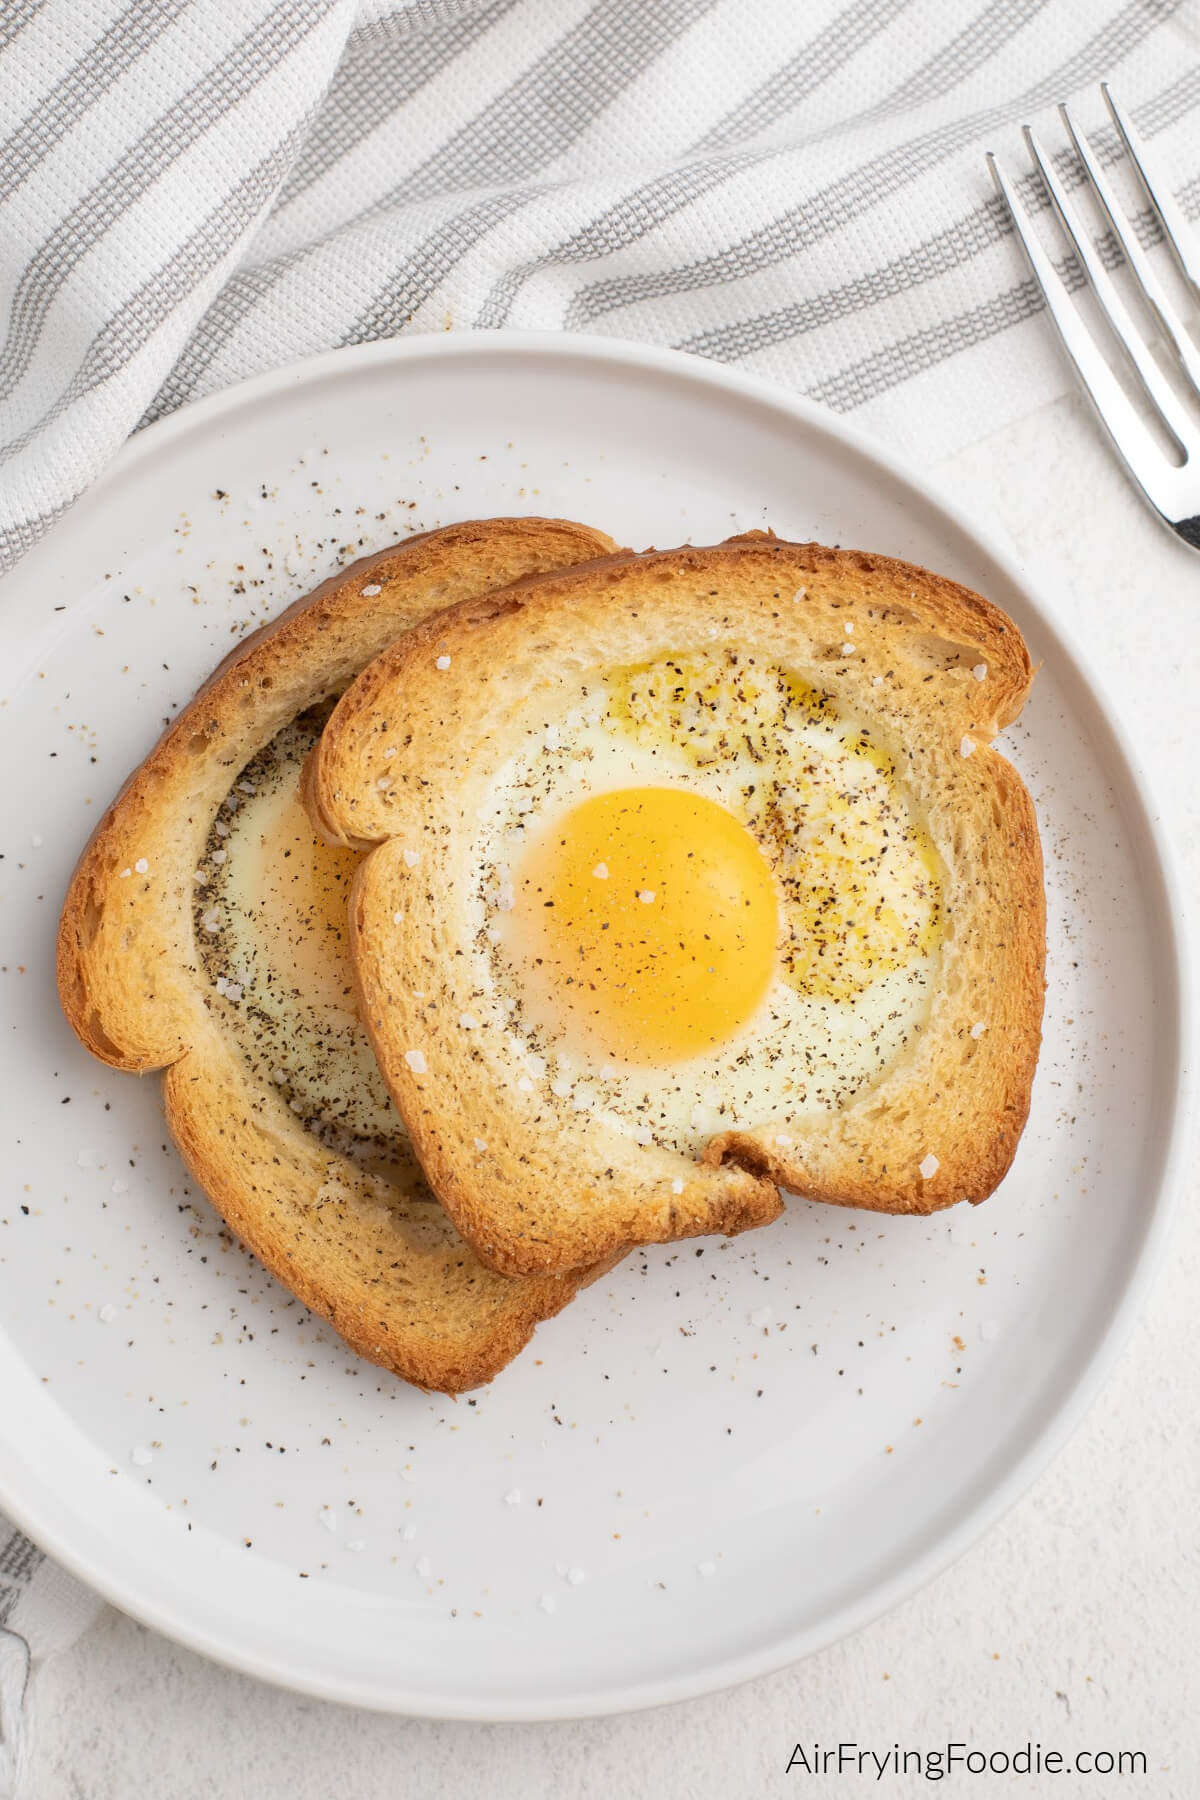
<point x="1073" y="1624"/>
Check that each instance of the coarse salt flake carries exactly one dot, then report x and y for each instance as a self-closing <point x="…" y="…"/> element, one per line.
<point x="646" y="896"/>
<point x="980" y="671"/>
<point x="370" y="591"/>
<point x="125" y="874"/>
<point x="416" y="1061"/>
<point x="847" y="649"/>
<point x="37" y="841"/>
<point x="107" y="1313"/>
<point x="443" y="662"/>
<point x="211" y="920"/>
<point x="328" y="1518"/>
<point x="707" y="1569"/>
<point x="547" y="1603"/>
<point x="356" y="1544"/>
<point x="782" y="1141"/>
<point x="967" y="747"/>
<point x="877" y="681"/>
<point x="219" y="856"/>
<point x="989" y="1330"/>
<point x="142" y="866"/>
<point x="601" y="871"/>
<point x="141" y="1456"/>
<point x="576" y="1577"/>
<point x="848" y="628"/>
<point x="643" y="1135"/>
<point x="525" y="1086"/>
<point x="88" y="1159"/>
<point x="513" y="1497"/>
<point x="468" y="1022"/>
<point x="396" y="918"/>
<point x="677" y="1186"/>
<point x="411" y="858"/>
<point x="408" y="1533"/>
<point x="762" y="1315"/>
<point x="424" y="1567"/>
<point x="480" y="1144"/>
<point x="929" y="1166"/>
<point x="119" y="1186"/>
<point x="978" y="1029"/>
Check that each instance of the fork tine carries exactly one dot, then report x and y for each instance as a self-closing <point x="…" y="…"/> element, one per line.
<point x="1176" y="229"/>
<point x="1161" y="394"/>
<point x="1130" y="438"/>
<point x="1135" y="256"/>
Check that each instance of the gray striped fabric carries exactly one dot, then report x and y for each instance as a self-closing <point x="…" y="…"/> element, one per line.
<point x="195" y="190"/>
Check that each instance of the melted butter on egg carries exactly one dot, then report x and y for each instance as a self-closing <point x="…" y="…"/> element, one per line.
<point x="790" y="948"/>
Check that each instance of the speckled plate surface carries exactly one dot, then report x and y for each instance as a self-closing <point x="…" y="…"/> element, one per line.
<point x="725" y="1454"/>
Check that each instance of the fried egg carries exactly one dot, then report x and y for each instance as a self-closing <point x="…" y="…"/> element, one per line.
<point x="271" y="926"/>
<point x="705" y="899"/>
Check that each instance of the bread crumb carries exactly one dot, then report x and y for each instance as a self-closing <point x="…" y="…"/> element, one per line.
<point x="416" y="1061"/>
<point x="929" y="1167"/>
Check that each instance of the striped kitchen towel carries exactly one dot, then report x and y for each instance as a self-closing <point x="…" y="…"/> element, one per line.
<point x="195" y="190"/>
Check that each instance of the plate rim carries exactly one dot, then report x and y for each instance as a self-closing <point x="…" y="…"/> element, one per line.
<point x="1164" y="900"/>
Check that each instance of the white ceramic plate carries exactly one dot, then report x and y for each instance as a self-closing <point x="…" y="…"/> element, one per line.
<point x="726" y="1454"/>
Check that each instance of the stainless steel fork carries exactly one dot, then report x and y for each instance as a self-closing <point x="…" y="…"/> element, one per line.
<point x="1173" y="489"/>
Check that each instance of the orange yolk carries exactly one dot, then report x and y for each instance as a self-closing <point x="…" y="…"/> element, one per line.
<point x="650" y="917"/>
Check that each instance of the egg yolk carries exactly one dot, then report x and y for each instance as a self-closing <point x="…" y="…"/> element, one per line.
<point x="297" y="890"/>
<point x="650" y="917"/>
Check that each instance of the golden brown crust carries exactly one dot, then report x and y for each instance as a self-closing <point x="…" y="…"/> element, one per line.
<point x="376" y="1258"/>
<point x="942" y="1121"/>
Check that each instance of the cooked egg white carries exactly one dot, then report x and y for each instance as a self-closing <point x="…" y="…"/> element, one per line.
<point x="705" y="902"/>
<point x="270" y="916"/>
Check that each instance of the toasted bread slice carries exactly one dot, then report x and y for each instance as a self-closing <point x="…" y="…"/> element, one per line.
<point x="268" y="1087"/>
<point x="851" y="700"/>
